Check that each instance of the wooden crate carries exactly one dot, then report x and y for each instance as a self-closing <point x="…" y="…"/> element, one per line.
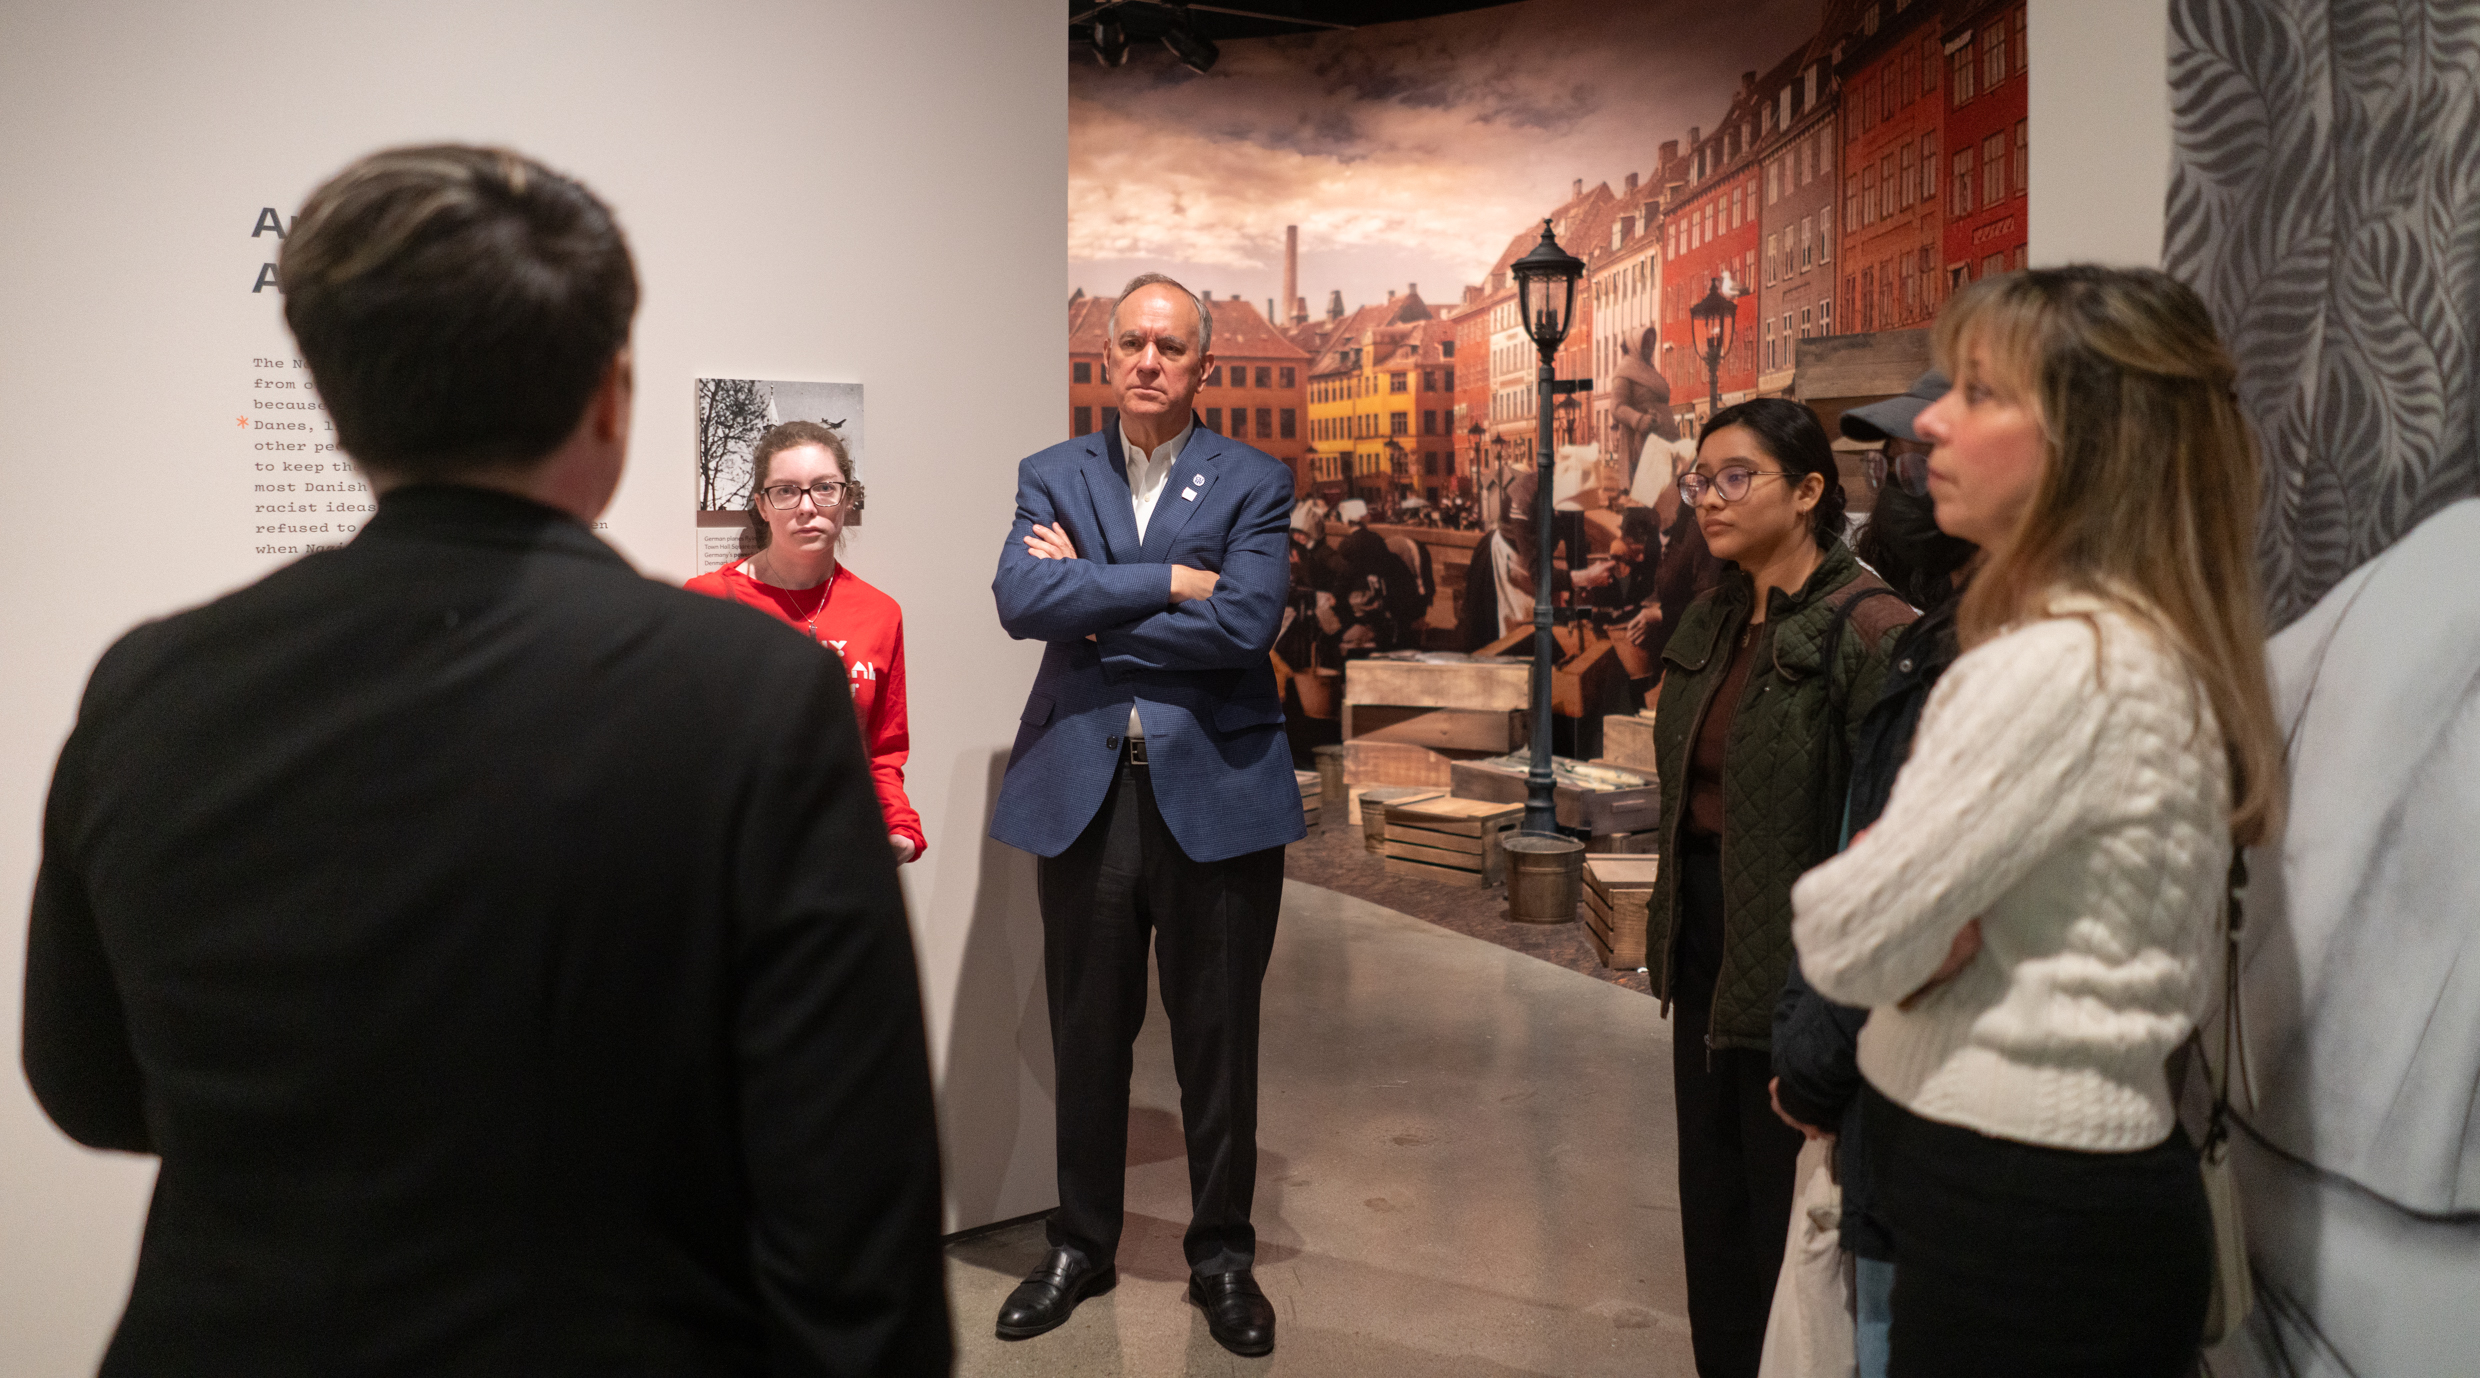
<point x="1353" y="798"/>
<point x="1490" y="730"/>
<point x="1592" y="799"/>
<point x="1312" y="796"/>
<point x="1478" y="684"/>
<point x="1616" y="890"/>
<point x="1395" y="763"/>
<point x="1460" y="835"/>
<point x="1627" y="741"/>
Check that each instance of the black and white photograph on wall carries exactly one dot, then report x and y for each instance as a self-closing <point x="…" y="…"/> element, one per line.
<point x="731" y="414"/>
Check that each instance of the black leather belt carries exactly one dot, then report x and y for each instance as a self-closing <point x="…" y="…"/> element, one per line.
<point x="1135" y="752"/>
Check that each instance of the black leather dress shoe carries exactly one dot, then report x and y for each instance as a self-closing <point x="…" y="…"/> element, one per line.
<point x="1238" y="1315"/>
<point x="1049" y="1294"/>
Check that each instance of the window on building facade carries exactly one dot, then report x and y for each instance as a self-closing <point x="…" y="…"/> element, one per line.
<point x="1265" y="376"/>
<point x="1995" y="263"/>
<point x="1398" y="382"/>
<point x="1807" y="321"/>
<point x="1868" y="300"/>
<point x="1265" y="423"/>
<point x="1959" y="67"/>
<point x="1290" y="378"/>
<point x="1399" y="423"/>
<point x="1928" y="166"/>
<point x="1993" y="169"/>
<point x="1214" y="418"/>
<point x="1868" y="196"/>
<point x="1429" y="380"/>
<point x="1911" y="288"/>
<point x="1960" y="203"/>
<point x="1851" y="203"/>
<point x="1885" y="187"/>
<point x="1084" y="421"/>
<point x="1769" y="260"/>
<point x="1993" y="55"/>
<point x="2023" y="155"/>
<point x="1911" y="177"/>
<point x="1446" y="350"/>
<point x="1291" y="424"/>
<point x="1082" y="372"/>
<point x="1429" y="423"/>
<point x="1868" y="106"/>
<point x="1911" y="76"/>
<point x="1214" y="377"/>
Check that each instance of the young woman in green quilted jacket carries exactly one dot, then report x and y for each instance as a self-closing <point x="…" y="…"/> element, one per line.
<point x="1763" y="684"/>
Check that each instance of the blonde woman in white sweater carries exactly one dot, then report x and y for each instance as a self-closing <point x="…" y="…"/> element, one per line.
<point x="2034" y="920"/>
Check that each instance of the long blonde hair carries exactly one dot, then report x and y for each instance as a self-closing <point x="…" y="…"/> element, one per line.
<point x="2149" y="485"/>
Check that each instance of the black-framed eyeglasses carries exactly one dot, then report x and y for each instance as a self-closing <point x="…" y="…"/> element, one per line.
<point x="1909" y="468"/>
<point x="825" y="493"/>
<point x="1733" y="483"/>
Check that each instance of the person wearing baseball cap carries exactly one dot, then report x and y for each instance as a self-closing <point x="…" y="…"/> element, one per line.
<point x="1889" y="423"/>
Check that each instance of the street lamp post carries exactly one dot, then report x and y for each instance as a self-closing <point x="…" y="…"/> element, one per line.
<point x="1546" y="299"/>
<point x="1716" y="316"/>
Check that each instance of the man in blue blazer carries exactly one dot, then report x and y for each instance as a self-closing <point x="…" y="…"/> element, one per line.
<point x="1152" y="777"/>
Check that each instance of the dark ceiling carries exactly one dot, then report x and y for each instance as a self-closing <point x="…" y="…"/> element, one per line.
<point x="1146" y="20"/>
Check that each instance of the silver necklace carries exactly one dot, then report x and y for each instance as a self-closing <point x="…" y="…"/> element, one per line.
<point x="824" y="587"/>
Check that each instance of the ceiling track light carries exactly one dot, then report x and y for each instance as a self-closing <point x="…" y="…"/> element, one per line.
<point x="1195" y="51"/>
<point x="1109" y="40"/>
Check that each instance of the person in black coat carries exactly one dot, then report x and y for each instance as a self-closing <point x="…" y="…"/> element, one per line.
<point x="504" y="987"/>
<point x="1816" y="1045"/>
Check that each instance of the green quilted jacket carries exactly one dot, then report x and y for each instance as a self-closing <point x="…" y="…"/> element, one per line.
<point x="1783" y="781"/>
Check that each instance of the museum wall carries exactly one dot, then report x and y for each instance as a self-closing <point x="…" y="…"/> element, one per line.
<point x="826" y="190"/>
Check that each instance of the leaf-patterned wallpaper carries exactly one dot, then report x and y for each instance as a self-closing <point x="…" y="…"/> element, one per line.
<point x="2325" y="200"/>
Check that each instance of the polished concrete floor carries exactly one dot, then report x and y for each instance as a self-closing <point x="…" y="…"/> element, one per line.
<point x="1465" y="1171"/>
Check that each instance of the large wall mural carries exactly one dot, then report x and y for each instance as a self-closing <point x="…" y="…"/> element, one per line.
<point x="2326" y="200"/>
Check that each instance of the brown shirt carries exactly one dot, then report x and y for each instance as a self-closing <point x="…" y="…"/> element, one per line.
<point x="1705" y="756"/>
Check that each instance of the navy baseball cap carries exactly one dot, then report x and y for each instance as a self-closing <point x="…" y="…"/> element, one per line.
<point x="1892" y="419"/>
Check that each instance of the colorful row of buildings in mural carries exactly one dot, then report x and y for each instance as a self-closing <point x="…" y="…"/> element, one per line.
<point x="1847" y="192"/>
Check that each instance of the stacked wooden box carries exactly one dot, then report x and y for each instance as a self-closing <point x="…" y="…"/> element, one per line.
<point x="1616" y="889"/>
<point x="1455" y="841"/>
<point x="1312" y="795"/>
<point x="1591" y="799"/>
<point x="1627" y="741"/>
<point x="1441" y="703"/>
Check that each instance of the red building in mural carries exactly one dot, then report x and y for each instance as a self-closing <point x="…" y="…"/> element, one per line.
<point x="1989" y="159"/>
<point x="1894" y="138"/>
<point x="1801" y="152"/>
<point x="1711" y="239"/>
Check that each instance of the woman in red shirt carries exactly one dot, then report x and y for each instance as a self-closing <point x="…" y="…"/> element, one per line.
<point x="801" y="494"/>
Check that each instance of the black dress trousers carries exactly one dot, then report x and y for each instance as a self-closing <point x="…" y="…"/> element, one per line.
<point x="1736" y="1158"/>
<point x="1212" y="928"/>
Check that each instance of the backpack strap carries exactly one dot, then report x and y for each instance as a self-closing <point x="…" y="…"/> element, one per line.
<point x="1833" y="813"/>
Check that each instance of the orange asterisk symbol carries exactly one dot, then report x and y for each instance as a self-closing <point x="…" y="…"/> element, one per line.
<point x="241" y="421"/>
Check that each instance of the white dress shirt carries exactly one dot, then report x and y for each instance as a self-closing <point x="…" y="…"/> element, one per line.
<point x="1148" y="474"/>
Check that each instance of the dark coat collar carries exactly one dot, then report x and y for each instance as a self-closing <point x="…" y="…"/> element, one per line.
<point x="480" y="516"/>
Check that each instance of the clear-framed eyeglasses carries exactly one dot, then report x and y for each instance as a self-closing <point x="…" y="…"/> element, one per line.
<point x="1733" y="483"/>
<point x="1908" y="467"/>
<point x="825" y="493"/>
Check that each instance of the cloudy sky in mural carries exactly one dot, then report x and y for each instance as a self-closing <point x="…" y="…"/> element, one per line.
<point x="1406" y="153"/>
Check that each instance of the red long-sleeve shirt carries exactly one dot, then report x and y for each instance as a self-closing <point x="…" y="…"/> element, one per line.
<point x="866" y="628"/>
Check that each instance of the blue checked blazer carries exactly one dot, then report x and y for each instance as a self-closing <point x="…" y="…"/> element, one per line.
<point x="1198" y="672"/>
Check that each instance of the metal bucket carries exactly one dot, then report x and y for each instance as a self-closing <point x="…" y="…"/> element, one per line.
<point x="1373" y="812"/>
<point x="1332" y="792"/>
<point x="1545" y="877"/>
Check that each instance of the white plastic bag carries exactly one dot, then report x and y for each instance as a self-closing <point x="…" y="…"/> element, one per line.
<point x="1808" y="1334"/>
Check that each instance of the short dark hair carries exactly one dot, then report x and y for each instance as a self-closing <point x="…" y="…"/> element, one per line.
<point x="457" y="306"/>
<point x="790" y="435"/>
<point x="1792" y="436"/>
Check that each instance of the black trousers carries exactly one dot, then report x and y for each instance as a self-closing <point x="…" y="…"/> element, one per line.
<point x="1736" y="1158"/>
<point x="2016" y="1258"/>
<point x="1212" y="929"/>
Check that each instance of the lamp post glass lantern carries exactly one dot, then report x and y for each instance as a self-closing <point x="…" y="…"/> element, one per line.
<point x="1546" y="296"/>
<point x="1717" y="318"/>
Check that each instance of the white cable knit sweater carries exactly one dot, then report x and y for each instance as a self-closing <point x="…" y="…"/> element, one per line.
<point x="2085" y="820"/>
